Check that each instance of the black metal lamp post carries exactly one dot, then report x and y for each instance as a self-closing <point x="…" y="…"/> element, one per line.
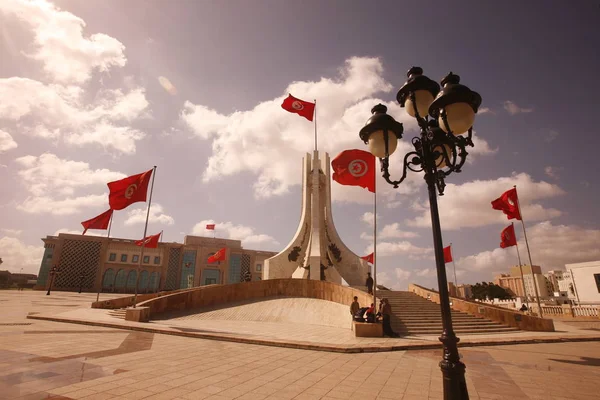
<point x="53" y="271"/>
<point x="81" y="278"/>
<point x="440" y="149"/>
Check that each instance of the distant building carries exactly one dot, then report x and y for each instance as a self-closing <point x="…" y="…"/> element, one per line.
<point x="110" y="264"/>
<point x="452" y="289"/>
<point x="584" y="282"/>
<point x="464" y="291"/>
<point x="9" y="279"/>
<point x="521" y="287"/>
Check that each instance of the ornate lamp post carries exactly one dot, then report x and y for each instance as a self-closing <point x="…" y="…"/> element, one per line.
<point x="440" y="149"/>
<point x="53" y="271"/>
<point x="81" y="278"/>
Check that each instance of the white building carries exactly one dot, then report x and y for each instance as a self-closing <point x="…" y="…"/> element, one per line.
<point x="542" y="287"/>
<point x="586" y="281"/>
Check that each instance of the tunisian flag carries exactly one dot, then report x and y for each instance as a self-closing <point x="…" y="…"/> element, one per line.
<point x="218" y="256"/>
<point x="150" y="242"/>
<point x="129" y="190"/>
<point x="448" y="254"/>
<point x="303" y="108"/>
<point x="210" y="227"/>
<point x="99" y="222"/>
<point x="508" y="204"/>
<point x="369" y="258"/>
<point x="355" y="168"/>
<point x="508" y="237"/>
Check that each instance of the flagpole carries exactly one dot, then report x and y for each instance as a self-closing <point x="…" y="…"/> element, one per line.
<point x="137" y="275"/>
<point x="454" y="267"/>
<point x="520" y="266"/>
<point x="315" y="124"/>
<point x="537" y="296"/>
<point x="110" y="224"/>
<point x="101" y="274"/>
<point x="375" y="243"/>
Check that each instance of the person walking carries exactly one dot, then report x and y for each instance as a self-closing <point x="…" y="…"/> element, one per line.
<point x="369" y="283"/>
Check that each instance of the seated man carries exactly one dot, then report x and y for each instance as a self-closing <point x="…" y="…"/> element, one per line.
<point x="371" y="313"/>
<point x="360" y="315"/>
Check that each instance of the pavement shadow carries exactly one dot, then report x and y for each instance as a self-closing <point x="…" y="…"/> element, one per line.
<point x="588" y="361"/>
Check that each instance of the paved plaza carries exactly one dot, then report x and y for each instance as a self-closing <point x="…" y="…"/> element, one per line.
<point x="44" y="359"/>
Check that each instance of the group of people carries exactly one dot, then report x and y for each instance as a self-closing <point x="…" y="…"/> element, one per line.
<point x="384" y="315"/>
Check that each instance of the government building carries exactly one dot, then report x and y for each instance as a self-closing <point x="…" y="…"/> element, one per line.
<point x="95" y="263"/>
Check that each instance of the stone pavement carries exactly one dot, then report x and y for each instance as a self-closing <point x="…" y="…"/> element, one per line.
<point x="68" y="361"/>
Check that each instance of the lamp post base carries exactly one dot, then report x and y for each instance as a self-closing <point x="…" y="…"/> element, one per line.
<point x="453" y="370"/>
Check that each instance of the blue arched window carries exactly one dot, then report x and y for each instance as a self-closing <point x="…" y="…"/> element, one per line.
<point x="144" y="277"/>
<point x="109" y="279"/>
<point x="131" y="279"/>
<point x="120" y="279"/>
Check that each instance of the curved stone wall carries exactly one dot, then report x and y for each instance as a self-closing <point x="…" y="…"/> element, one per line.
<point x="210" y="296"/>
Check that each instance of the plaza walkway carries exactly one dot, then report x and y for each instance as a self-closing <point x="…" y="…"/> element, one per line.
<point x="43" y="359"/>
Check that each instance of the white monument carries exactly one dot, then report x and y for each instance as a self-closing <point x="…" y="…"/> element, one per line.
<point x="316" y="251"/>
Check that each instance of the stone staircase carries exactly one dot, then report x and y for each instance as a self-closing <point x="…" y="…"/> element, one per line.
<point x="414" y="315"/>
<point x="117" y="313"/>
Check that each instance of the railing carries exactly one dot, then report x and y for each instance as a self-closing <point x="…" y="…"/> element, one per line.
<point x="585" y="311"/>
<point x="552" y="310"/>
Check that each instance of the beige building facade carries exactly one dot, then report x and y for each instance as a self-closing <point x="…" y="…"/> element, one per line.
<point x="525" y="287"/>
<point x="112" y="265"/>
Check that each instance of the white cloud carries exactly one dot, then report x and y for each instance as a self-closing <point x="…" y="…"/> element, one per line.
<point x="553" y="172"/>
<point x="405" y="248"/>
<point x="270" y="142"/>
<point x="368" y="219"/>
<point x="16" y="255"/>
<point x="469" y="204"/>
<point x="514" y="109"/>
<point x="67" y="206"/>
<point x="229" y="230"/>
<point x="157" y="215"/>
<point x="393" y="231"/>
<point x="48" y="174"/>
<point x="6" y="142"/>
<point x="61" y="111"/>
<point x="485" y="110"/>
<point x="426" y="273"/>
<point x="66" y="54"/>
<point x="402" y="274"/>
<point x="551" y="136"/>
<point x="12" y="232"/>
<point x="480" y="148"/>
<point x="167" y="85"/>
<point x="552" y="246"/>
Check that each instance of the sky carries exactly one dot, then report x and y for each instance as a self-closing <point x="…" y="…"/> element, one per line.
<point x="93" y="91"/>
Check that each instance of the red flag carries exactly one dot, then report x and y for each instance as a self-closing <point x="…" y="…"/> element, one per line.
<point x="99" y="222"/>
<point x="210" y="227"/>
<point x="448" y="254"/>
<point x="128" y="190"/>
<point x="300" y="107"/>
<point x="508" y="237"/>
<point x="355" y="168"/>
<point x="508" y="204"/>
<point x="150" y="242"/>
<point x="369" y="258"/>
<point x="218" y="256"/>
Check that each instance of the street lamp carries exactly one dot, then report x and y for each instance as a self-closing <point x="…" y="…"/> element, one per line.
<point x="81" y="278"/>
<point x="440" y="149"/>
<point x="53" y="271"/>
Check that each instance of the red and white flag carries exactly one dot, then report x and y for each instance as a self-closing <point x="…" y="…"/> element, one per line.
<point x="210" y="227"/>
<point x="355" y="168"/>
<point x="218" y="256"/>
<point x="99" y="222"/>
<point x="150" y="242"/>
<point x="303" y="108"/>
<point x="370" y="258"/>
<point x="508" y="237"/>
<point x="508" y="203"/>
<point x="129" y="190"/>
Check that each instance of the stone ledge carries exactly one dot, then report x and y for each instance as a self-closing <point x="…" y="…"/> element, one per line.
<point x="367" y="329"/>
<point x="138" y="314"/>
<point x="415" y="343"/>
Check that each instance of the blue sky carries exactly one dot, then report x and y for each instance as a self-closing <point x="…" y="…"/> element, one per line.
<point x="81" y="103"/>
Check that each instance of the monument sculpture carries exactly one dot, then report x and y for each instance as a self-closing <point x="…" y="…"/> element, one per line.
<point x="316" y="251"/>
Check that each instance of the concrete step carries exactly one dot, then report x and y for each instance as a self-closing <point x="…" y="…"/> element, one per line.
<point x="438" y="331"/>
